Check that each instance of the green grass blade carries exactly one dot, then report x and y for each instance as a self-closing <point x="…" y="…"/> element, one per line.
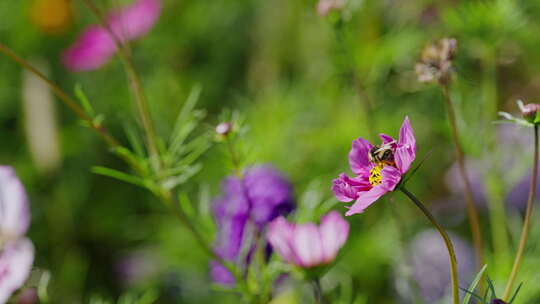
<point x="473" y="285"/>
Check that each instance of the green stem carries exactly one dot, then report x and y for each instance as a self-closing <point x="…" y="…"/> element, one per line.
<point x="64" y="97"/>
<point x="526" y="222"/>
<point x="447" y="241"/>
<point x="234" y="157"/>
<point x="136" y="85"/>
<point x="318" y="291"/>
<point x="472" y="213"/>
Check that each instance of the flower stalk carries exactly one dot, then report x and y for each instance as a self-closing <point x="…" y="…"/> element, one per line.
<point x="447" y="241"/>
<point x="64" y="97"/>
<point x="526" y="222"/>
<point x="472" y="213"/>
<point x="136" y="85"/>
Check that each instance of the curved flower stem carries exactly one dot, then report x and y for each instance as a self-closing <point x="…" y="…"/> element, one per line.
<point x="135" y="82"/>
<point x="447" y="241"/>
<point x="526" y="222"/>
<point x="63" y="96"/>
<point x="472" y="213"/>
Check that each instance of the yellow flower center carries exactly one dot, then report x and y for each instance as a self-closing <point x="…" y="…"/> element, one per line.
<point x="375" y="177"/>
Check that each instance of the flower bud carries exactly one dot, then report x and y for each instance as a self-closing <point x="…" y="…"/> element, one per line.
<point x="224" y="128"/>
<point x="529" y="111"/>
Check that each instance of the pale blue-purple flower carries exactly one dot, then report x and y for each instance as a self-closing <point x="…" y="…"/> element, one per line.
<point x="246" y="206"/>
<point x="430" y="268"/>
<point x="16" y="251"/>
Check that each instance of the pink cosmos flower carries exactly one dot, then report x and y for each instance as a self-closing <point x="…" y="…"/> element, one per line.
<point x="16" y="251"/>
<point x="378" y="169"/>
<point x="307" y="245"/>
<point x="95" y="46"/>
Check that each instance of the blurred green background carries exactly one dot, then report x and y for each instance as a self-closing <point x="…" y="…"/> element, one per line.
<point x="307" y="86"/>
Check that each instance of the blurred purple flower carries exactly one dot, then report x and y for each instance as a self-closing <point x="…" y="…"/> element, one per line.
<point x="247" y="205"/>
<point x="510" y="138"/>
<point x="455" y="184"/>
<point x="95" y="45"/>
<point x="430" y="268"/>
<point x="378" y="168"/>
<point x="518" y="195"/>
<point x="138" y="267"/>
<point x="16" y="251"/>
<point x="306" y="245"/>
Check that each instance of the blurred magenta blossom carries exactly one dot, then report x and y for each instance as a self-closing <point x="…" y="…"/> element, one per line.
<point x="96" y="46"/>
<point x="16" y="251"/>
<point x="378" y="169"/>
<point x="247" y="205"/>
<point x="306" y="245"/>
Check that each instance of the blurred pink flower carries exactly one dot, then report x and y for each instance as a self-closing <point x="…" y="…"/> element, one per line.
<point x="95" y="45"/>
<point x="324" y="7"/>
<point x="307" y="245"/>
<point x="378" y="169"/>
<point x="16" y="251"/>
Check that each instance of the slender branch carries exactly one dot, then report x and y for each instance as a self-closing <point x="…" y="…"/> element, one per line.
<point x="526" y="222"/>
<point x="447" y="241"/>
<point x="64" y="97"/>
<point x="135" y="82"/>
<point x="472" y="213"/>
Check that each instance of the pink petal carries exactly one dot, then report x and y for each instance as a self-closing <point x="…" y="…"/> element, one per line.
<point x="365" y="199"/>
<point x="280" y="234"/>
<point x="406" y="149"/>
<point x="346" y="189"/>
<point x="14" y="212"/>
<point x="16" y="260"/>
<point x="136" y="19"/>
<point x="93" y="49"/>
<point x="390" y="177"/>
<point x="334" y="231"/>
<point x="358" y="157"/>
<point x="386" y="138"/>
<point x="307" y="245"/>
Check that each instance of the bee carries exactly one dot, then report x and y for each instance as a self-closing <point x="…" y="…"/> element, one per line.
<point x="384" y="155"/>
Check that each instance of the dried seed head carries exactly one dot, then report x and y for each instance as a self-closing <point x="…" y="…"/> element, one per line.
<point x="436" y="61"/>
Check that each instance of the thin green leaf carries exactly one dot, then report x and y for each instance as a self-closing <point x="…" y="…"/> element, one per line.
<point x="537" y="117"/>
<point x="87" y="106"/>
<point x="187" y="109"/>
<point x="473" y="285"/>
<point x="186" y="205"/>
<point x="121" y="176"/>
<point x="412" y="172"/>
<point x="172" y="182"/>
<point x="468" y="295"/>
<point x="135" y="140"/>
<point x="515" y="293"/>
<point x="491" y="288"/>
